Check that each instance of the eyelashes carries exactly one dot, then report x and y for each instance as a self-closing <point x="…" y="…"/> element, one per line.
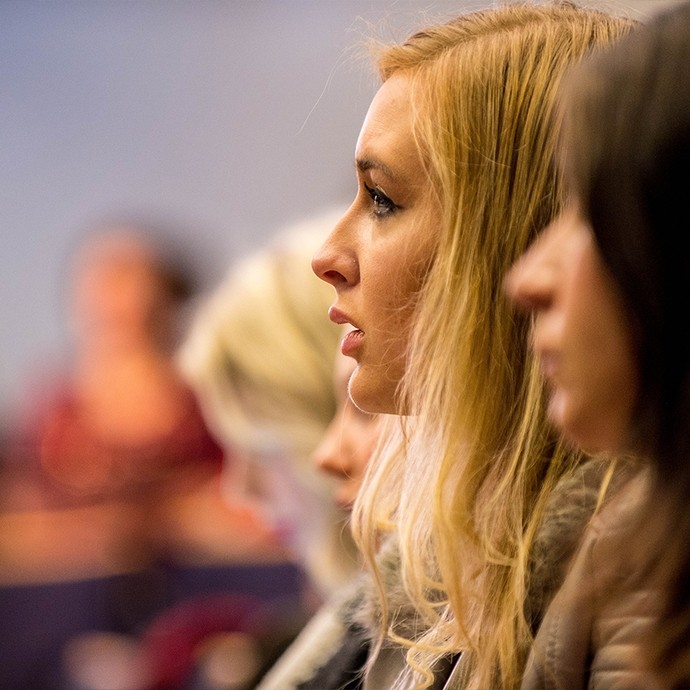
<point x="382" y="204"/>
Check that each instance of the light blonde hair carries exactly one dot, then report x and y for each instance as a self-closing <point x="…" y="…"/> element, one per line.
<point x="260" y="356"/>
<point x="467" y="475"/>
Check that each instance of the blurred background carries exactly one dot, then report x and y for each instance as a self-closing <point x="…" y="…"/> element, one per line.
<point x="167" y="167"/>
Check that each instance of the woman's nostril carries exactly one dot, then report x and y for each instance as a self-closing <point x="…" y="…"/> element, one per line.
<point x="333" y="277"/>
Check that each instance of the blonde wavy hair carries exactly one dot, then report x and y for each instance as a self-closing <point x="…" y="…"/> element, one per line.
<point x="259" y="354"/>
<point x="464" y="479"/>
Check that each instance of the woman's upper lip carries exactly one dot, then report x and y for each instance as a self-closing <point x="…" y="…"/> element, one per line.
<point x="339" y="317"/>
<point x="548" y="362"/>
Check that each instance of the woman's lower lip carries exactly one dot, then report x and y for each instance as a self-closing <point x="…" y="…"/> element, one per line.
<point x="547" y="364"/>
<point x="351" y="342"/>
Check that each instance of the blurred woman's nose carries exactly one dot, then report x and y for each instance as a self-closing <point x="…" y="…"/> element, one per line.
<point x="336" y="260"/>
<point x="330" y="454"/>
<point x="529" y="283"/>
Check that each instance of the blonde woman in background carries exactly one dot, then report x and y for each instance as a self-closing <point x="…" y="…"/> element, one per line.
<point x="348" y="444"/>
<point x="344" y="453"/>
<point x="454" y="180"/>
<point x="260" y="356"/>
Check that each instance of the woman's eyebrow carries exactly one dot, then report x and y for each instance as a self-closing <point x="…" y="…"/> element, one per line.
<point x="364" y="164"/>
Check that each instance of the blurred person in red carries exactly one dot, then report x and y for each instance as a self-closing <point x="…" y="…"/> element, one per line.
<point x="106" y="446"/>
<point x="119" y="423"/>
<point x="106" y="443"/>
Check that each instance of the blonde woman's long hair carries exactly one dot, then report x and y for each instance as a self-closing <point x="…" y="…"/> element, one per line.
<point x="465" y="478"/>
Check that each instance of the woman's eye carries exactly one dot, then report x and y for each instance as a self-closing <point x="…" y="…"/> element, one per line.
<point x="383" y="206"/>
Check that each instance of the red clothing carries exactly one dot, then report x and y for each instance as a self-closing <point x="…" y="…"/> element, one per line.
<point x="72" y="464"/>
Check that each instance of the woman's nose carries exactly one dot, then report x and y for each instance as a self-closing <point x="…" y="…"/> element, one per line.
<point x="329" y="454"/>
<point x="336" y="260"/>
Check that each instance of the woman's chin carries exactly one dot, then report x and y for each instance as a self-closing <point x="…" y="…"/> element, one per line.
<point x="369" y="393"/>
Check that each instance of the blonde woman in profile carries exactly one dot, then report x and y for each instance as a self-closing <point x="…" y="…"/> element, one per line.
<point x="454" y="180"/>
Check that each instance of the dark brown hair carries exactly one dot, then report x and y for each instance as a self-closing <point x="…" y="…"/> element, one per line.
<point x="626" y="157"/>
